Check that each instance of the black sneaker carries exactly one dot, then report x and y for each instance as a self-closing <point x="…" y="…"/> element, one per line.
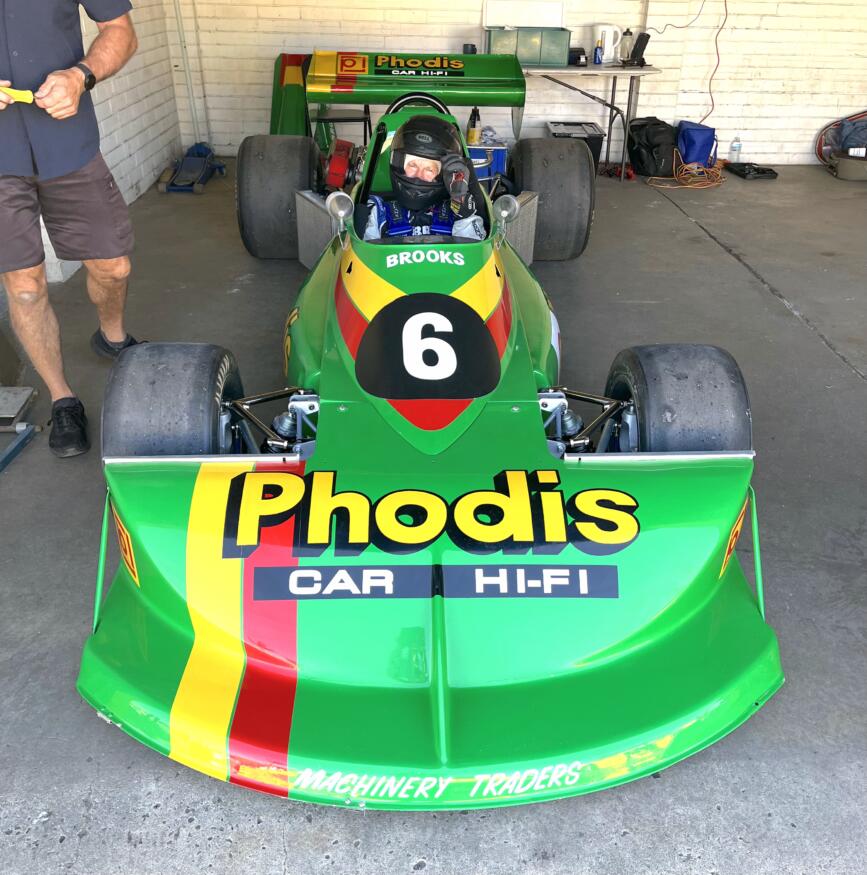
<point x="108" y="349"/>
<point x="68" y="428"/>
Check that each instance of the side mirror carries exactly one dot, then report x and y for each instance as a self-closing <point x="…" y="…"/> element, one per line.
<point x="340" y="207"/>
<point x="506" y="208"/>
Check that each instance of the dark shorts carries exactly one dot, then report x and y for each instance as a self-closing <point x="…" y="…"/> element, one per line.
<point x="84" y="212"/>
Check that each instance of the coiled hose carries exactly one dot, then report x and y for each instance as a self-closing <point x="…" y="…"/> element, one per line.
<point x="823" y="150"/>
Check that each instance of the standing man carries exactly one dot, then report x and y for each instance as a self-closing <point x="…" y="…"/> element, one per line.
<point x="50" y="165"/>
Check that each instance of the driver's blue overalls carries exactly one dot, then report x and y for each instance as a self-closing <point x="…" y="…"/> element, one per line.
<point x="389" y="219"/>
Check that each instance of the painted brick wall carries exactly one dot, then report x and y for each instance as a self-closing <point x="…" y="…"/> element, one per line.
<point x="786" y="67"/>
<point x="137" y="114"/>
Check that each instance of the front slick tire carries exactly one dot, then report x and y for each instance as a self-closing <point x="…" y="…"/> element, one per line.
<point x="688" y="397"/>
<point x="164" y="399"/>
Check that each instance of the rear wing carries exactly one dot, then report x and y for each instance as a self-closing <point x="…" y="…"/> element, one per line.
<point x="328" y="77"/>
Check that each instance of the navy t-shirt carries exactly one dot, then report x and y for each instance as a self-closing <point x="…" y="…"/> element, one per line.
<point x="38" y="37"/>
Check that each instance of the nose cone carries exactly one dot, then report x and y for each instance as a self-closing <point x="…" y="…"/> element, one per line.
<point x="405" y="637"/>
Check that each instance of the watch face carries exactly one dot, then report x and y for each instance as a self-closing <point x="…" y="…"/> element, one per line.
<point x="89" y="78"/>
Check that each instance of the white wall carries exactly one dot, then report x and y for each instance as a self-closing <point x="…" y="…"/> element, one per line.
<point x="136" y="109"/>
<point x="786" y="67"/>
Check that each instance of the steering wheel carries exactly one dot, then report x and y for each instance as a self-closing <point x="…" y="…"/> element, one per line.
<point x="417" y="97"/>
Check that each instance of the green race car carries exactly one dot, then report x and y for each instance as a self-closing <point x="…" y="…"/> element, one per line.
<point x="435" y="578"/>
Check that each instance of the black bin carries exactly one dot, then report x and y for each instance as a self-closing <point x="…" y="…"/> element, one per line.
<point x="590" y="132"/>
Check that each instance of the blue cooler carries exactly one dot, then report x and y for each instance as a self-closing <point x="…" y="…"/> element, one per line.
<point x="488" y="161"/>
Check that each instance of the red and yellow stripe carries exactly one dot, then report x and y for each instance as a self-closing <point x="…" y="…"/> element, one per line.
<point x="259" y="737"/>
<point x="232" y="714"/>
<point x="205" y="699"/>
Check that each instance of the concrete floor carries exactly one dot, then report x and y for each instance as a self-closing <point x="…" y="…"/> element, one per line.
<point x="776" y="272"/>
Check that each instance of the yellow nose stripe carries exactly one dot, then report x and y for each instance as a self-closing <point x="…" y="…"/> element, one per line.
<point x="484" y="289"/>
<point x="205" y="700"/>
<point x="369" y="291"/>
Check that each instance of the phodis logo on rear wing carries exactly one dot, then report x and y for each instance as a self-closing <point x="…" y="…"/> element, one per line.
<point x="524" y="511"/>
<point x="351" y="65"/>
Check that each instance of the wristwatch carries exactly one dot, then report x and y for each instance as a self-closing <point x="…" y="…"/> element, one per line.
<point x="89" y="78"/>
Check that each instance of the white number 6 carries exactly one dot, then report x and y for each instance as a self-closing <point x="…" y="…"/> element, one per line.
<point x="414" y="347"/>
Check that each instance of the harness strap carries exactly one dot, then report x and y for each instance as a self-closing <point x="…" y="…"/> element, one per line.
<point x="443" y="219"/>
<point x="398" y="221"/>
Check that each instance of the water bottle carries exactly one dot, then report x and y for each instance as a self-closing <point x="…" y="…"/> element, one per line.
<point x="598" y="52"/>
<point x="735" y="151"/>
<point x="626" y="42"/>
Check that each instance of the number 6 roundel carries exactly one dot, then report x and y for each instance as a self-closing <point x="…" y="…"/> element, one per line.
<point x="427" y="354"/>
<point x="427" y="346"/>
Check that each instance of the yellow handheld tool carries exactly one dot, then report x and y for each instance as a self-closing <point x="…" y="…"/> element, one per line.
<point x="18" y="96"/>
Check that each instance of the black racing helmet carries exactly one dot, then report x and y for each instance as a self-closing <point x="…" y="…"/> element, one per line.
<point x="427" y="136"/>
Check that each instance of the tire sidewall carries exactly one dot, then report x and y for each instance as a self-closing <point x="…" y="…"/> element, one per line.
<point x="226" y="387"/>
<point x="628" y="382"/>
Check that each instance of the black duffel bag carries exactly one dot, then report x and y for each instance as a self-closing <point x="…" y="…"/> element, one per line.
<point x="651" y="146"/>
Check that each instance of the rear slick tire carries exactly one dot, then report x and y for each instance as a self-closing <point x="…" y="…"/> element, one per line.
<point x="164" y="399"/>
<point x="562" y="171"/>
<point x="688" y="397"/>
<point x="270" y="170"/>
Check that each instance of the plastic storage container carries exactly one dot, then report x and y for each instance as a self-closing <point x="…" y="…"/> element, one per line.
<point x="488" y="161"/>
<point x="590" y="132"/>
<point x="534" y="46"/>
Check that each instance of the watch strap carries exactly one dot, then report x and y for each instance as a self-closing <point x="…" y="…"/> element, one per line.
<point x="89" y="78"/>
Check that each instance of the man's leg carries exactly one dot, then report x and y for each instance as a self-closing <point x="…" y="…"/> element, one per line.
<point x="23" y="275"/>
<point x="88" y="220"/>
<point x="36" y="326"/>
<point x="106" y="285"/>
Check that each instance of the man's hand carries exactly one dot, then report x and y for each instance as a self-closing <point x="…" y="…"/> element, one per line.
<point x="60" y="93"/>
<point x="5" y="99"/>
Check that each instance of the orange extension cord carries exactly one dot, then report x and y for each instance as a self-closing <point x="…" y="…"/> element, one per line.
<point x="692" y="175"/>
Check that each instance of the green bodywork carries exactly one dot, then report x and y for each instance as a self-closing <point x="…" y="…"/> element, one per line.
<point x="439" y="699"/>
